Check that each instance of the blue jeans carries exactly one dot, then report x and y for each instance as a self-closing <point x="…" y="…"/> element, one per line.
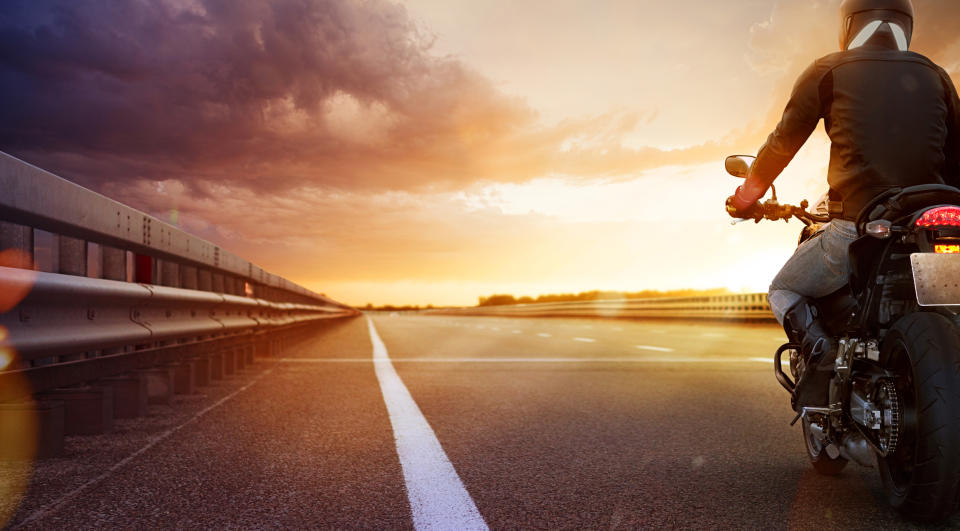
<point x="819" y="266"/>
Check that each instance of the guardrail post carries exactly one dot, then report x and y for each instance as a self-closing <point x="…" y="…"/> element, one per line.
<point x="216" y="283"/>
<point x="188" y="277"/>
<point x="143" y="269"/>
<point x="229" y="362"/>
<point x="204" y="280"/>
<point x="216" y="365"/>
<point x="129" y="395"/>
<point x="159" y="385"/>
<point x="169" y="274"/>
<point x="19" y="237"/>
<point x="201" y="371"/>
<point x="114" y="267"/>
<point x="87" y="410"/>
<point x="31" y="429"/>
<point x="73" y="256"/>
<point x="240" y="358"/>
<point x="184" y="377"/>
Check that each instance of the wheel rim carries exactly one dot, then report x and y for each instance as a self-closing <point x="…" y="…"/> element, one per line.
<point x="814" y="446"/>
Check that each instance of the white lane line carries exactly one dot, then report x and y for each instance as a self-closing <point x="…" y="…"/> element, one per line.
<point x="517" y="331"/>
<point x="585" y="339"/>
<point x="769" y="360"/>
<point x="713" y="334"/>
<point x="53" y="507"/>
<point x="618" y="329"/>
<point x="625" y="359"/>
<point x="655" y="349"/>
<point x="438" y="499"/>
<point x="543" y="334"/>
<point x="496" y="329"/>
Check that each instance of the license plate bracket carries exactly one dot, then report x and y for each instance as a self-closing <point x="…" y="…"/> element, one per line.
<point x="936" y="278"/>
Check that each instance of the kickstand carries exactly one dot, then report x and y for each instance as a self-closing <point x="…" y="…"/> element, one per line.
<point x="795" y="419"/>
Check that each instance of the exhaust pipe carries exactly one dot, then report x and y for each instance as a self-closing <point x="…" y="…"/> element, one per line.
<point x="855" y="448"/>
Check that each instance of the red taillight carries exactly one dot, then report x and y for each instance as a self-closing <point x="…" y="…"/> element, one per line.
<point x="948" y="216"/>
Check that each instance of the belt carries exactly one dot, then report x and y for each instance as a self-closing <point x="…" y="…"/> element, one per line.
<point x="841" y="210"/>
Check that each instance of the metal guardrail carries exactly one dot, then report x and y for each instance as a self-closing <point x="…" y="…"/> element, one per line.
<point x="111" y="289"/>
<point x="745" y="307"/>
<point x="69" y="229"/>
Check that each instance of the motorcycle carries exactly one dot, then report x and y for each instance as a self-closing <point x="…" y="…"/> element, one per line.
<point x="895" y="390"/>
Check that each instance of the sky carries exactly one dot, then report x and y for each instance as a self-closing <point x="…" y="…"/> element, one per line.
<point x="434" y="151"/>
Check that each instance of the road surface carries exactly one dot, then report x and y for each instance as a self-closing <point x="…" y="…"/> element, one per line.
<point x="467" y="422"/>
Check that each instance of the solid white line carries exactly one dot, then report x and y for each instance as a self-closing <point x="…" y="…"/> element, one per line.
<point x="769" y="360"/>
<point x="585" y="339"/>
<point x="40" y="513"/>
<point x="527" y="360"/>
<point x="655" y="349"/>
<point x="438" y="499"/>
<point x="542" y="334"/>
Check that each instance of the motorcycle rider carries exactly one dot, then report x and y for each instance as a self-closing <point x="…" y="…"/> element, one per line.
<point x="893" y="118"/>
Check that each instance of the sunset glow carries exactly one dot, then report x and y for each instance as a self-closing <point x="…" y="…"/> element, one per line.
<point x="434" y="151"/>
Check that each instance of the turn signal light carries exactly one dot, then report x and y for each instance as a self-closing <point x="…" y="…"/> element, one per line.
<point x="948" y="216"/>
<point x="947" y="249"/>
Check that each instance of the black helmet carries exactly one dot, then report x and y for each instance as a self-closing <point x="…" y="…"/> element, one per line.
<point x="855" y="15"/>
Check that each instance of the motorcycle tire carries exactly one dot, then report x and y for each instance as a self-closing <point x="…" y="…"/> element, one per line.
<point x="921" y="478"/>
<point x="822" y="463"/>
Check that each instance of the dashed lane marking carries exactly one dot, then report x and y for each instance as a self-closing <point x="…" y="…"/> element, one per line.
<point x="544" y="334"/>
<point x="655" y="349"/>
<point x="438" y="499"/>
<point x="713" y="334"/>
<point x="53" y="507"/>
<point x="585" y="339"/>
<point x="517" y="331"/>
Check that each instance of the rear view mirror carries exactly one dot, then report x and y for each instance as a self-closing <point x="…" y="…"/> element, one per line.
<point x="739" y="165"/>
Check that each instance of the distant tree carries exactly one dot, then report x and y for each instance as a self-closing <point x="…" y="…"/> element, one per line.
<point x="497" y="300"/>
<point x="503" y="300"/>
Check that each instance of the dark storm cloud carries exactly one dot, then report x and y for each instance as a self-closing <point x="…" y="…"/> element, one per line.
<point x="211" y="87"/>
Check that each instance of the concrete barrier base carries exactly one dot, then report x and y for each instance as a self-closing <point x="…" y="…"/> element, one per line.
<point x="129" y="395"/>
<point x="86" y="410"/>
<point x="31" y="429"/>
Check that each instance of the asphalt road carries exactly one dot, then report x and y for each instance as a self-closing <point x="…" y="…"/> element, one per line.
<point x="547" y="423"/>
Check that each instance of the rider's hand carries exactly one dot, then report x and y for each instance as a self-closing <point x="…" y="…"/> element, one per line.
<point x="754" y="211"/>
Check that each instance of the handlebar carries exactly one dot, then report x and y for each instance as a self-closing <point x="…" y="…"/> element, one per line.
<point x="774" y="211"/>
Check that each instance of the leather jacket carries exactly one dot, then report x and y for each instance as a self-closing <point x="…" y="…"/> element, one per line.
<point x="893" y="119"/>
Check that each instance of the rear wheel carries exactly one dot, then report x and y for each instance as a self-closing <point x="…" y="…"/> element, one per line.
<point x="922" y="475"/>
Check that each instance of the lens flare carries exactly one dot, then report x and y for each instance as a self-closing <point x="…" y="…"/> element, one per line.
<point x="17" y="280"/>
<point x="19" y="429"/>
<point x="6" y="357"/>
